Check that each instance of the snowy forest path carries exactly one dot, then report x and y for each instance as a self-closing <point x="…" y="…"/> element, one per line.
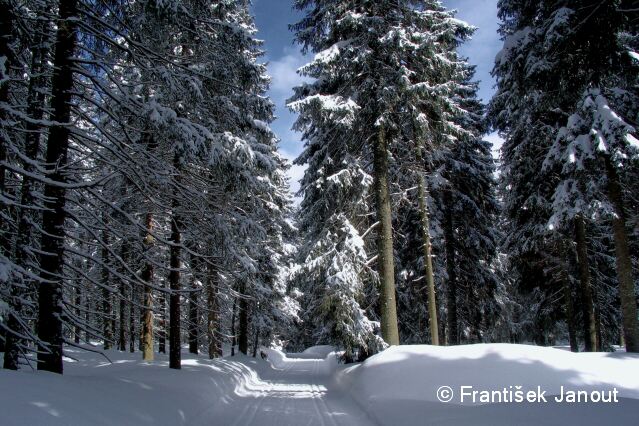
<point x="288" y="391"/>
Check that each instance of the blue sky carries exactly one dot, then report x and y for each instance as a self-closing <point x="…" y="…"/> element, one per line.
<point x="273" y="17"/>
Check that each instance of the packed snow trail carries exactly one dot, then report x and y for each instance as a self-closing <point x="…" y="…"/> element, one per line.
<point x="397" y="387"/>
<point x="290" y="391"/>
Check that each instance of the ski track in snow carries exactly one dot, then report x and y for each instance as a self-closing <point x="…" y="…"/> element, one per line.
<point x="296" y="392"/>
<point x="397" y="387"/>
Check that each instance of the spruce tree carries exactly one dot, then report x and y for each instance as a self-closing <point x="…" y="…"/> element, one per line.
<point x="564" y="60"/>
<point x="469" y="211"/>
<point x="382" y="72"/>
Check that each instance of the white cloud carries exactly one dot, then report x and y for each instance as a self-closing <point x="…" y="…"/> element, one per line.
<point x="497" y="142"/>
<point x="485" y="44"/>
<point x="284" y="77"/>
<point x="295" y="173"/>
<point x="283" y="72"/>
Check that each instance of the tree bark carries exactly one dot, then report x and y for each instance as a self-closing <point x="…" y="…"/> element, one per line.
<point x="588" y="311"/>
<point x="49" y="321"/>
<point x="147" y="277"/>
<point x="107" y="331"/>
<point x="233" y="335"/>
<point x="194" y="315"/>
<point x="599" y="347"/>
<point x="6" y="34"/>
<point x="35" y="103"/>
<point x="428" y="258"/>
<point x="451" y="288"/>
<point x="87" y="316"/>
<point x="623" y="261"/>
<point x="161" y="329"/>
<point x="213" y="321"/>
<point x="242" y="344"/>
<point x="132" y="316"/>
<point x="124" y="255"/>
<point x="175" y="353"/>
<point x="256" y="341"/>
<point x="565" y="253"/>
<point x="385" y="261"/>
<point x="78" y="302"/>
<point x="570" y="317"/>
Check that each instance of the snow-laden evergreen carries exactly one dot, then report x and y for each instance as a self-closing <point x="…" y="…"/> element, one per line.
<point x="166" y="187"/>
<point x="565" y="71"/>
<point x="144" y="206"/>
<point x="469" y="211"/>
<point x="389" y="91"/>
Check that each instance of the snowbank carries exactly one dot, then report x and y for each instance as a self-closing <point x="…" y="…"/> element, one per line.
<point x="128" y="391"/>
<point x="282" y="361"/>
<point x="322" y="351"/>
<point x="397" y="387"/>
<point x="315" y="352"/>
<point x="400" y="385"/>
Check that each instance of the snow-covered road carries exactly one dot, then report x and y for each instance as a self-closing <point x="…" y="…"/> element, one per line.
<point x="397" y="387"/>
<point x="292" y="391"/>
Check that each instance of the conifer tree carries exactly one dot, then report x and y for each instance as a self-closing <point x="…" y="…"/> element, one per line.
<point x="377" y="93"/>
<point x="560" y="58"/>
<point x="157" y="127"/>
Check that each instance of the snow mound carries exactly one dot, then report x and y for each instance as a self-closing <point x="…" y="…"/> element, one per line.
<point x="127" y="391"/>
<point x="315" y="352"/>
<point x="400" y="385"/>
<point x="325" y="365"/>
<point x="322" y="351"/>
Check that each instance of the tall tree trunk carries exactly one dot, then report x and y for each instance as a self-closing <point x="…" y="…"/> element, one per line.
<point x="87" y="317"/>
<point x="35" y="103"/>
<point x="599" y="347"/>
<point x="53" y="233"/>
<point x="132" y="315"/>
<point x="194" y="315"/>
<point x="242" y="344"/>
<point x="478" y="320"/>
<point x="161" y="329"/>
<point x="80" y="264"/>
<point x="565" y="253"/>
<point x="451" y="288"/>
<point x="114" y="320"/>
<point x="385" y="260"/>
<point x="8" y="342"/>
<point x="623" y="261"/>
<point x="427" y="248"/>
<point x="124" y="256"/>
<point x="107" y="331"/>
<point x="233" y="331"/>
<point x="256" y="341"/>
<point x="147" y="276"/>
<point x="194" y="319"/>
<point x="570" y="316"/>
<point x="213" y="319"/>
<point x="6" y="35"/>
<point x="588" y="310"/>
<point x="77" y="302"/>
<point x="175" y="354"/>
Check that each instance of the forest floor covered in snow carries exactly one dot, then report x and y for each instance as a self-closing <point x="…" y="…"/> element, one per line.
<point x="397" y="387"/>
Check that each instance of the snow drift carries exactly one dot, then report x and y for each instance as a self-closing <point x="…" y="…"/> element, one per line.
<point x="399" y="386"/>
<point x="396" y="387"/>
